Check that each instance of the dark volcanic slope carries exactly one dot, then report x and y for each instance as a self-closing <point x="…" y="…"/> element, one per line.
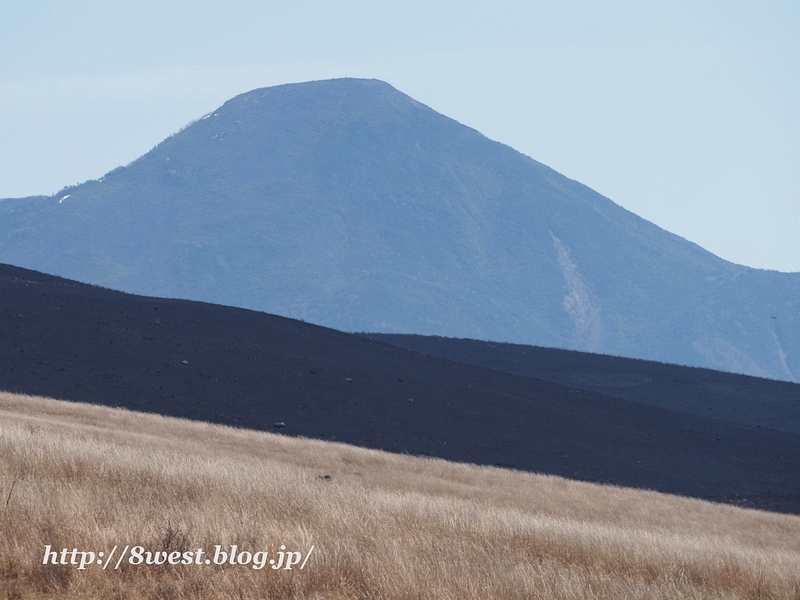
<point x="233" y="366"/>
<point x="349" y="204"/>
<point x="725" y="396"/>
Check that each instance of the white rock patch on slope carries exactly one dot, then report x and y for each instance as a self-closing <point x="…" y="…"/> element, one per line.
<point x="580" y="303"/>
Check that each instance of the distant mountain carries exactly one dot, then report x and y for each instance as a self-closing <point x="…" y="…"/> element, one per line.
<point x="349" y="204"/>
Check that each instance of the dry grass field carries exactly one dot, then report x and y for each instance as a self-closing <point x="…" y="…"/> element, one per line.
<point x="382" y="525"/>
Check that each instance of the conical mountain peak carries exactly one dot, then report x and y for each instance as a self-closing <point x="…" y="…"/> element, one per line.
<point x="349" y="204"/>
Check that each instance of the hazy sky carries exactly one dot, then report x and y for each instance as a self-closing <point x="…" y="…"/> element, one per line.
<point x="686" y="113"/>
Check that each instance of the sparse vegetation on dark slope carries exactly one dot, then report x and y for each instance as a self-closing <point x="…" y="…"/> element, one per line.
<point x="724" y="396"/>
<point x="67" y="340"/>
<point x="346" y="203"/>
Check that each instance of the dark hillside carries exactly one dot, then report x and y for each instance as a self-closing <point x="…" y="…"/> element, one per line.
<point x="725" y="396"/>
<point x="226" y="365"/>
<point x="348" y="204"/>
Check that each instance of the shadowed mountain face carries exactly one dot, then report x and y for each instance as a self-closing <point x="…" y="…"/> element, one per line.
<point x="347" y="203"/>
<point x="238" y="367"/>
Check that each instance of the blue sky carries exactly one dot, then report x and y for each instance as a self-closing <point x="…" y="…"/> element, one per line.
<point x="686" y="113"/>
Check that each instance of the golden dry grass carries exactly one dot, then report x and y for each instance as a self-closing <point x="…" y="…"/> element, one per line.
<point x="383" y="526"/>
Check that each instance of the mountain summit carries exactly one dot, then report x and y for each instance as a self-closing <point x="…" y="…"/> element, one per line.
<point x="349" y="204"/>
